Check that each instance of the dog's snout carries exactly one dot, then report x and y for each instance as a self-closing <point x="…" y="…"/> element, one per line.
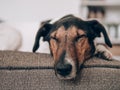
<point x="63" y="69"/>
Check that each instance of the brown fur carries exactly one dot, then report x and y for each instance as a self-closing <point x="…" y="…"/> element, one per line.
<point x="64" y="40"/>
<point x="83" y="50"/>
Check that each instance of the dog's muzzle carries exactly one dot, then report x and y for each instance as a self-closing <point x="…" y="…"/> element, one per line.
<point x="65" y="68"/>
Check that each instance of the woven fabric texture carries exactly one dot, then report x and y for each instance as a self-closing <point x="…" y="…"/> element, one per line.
<point x="34" y="71"/>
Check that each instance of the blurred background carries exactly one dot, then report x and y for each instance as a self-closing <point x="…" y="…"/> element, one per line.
<point x="20" y="19"/>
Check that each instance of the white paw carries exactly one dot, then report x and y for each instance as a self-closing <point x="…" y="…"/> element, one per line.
<point x="103" y="52"/>
<point x="107" y="54"/>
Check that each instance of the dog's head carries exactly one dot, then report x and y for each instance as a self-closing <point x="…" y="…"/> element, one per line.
<point x="71" y="42"/>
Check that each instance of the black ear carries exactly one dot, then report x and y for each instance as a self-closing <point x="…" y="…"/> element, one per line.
<point x="98" y="29"/>
<point x="42" y="32"/>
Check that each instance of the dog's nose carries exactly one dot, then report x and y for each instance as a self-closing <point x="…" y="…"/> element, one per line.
<point x="63" y="69"/>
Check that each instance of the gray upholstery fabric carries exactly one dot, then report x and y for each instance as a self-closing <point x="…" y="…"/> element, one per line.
<point x="33" y="71"/>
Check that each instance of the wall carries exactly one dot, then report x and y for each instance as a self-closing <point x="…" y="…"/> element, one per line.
<point x="35" y="10"/>
<point x="25" y="15"/>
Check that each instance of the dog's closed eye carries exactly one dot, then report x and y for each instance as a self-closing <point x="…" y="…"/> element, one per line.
<point x="55" y="39"/>
<point x="79" y="37"/>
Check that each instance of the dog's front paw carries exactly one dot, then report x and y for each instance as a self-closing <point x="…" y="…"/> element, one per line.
<point x="107" y="55"/>
<point x="103" y="52"/>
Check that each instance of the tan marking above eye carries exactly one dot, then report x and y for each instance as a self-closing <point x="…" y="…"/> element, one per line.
<point x="59" y="33"/>
<point x="81" y="32"/>
<point x="53" y="34"/>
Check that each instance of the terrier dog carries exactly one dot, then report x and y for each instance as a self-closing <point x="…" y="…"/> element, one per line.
<point x="71" y="42"/>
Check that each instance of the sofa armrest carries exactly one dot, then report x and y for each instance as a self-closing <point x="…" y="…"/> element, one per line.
<point x="34" y="71"/>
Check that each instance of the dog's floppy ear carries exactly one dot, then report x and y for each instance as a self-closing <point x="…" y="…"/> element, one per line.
<point x="42" y="32"/>
<point x="98" y="28"/>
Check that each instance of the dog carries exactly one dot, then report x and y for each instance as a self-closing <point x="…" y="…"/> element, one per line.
<point x="71" y="43"/>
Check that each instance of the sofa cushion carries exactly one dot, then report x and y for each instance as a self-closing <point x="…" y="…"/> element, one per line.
<point x="34" y="71"/>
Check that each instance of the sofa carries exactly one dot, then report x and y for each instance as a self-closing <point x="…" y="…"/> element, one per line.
<point x="35" y="71"/>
